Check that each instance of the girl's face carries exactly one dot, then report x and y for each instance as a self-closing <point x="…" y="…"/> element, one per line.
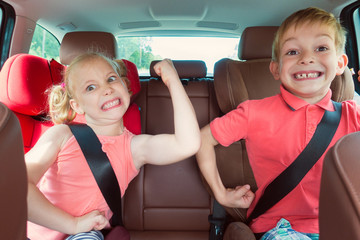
<point x="99" y="92"/>
<point x="308" y="61"/>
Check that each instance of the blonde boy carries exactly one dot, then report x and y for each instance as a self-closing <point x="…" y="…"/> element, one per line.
<point x="308" y="52"/>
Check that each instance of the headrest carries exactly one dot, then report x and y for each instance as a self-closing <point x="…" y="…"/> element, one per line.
<point x="236" y="81"/>
<point x="133" y="76"/>
<point x="185" y="68"/>
<point x="76" y="43"/>
<point x="256" y="42"/>
<point x="24" y="79"/>
<point x="342" y="87"/>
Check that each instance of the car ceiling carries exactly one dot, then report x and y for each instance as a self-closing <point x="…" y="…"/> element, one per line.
<point x="163" y="17"/>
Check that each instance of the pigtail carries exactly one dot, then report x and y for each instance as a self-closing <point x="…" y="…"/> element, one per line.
<point x="59" y="105"/>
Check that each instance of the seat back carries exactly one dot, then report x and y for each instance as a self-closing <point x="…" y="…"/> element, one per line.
<point x="24" y="80"/>
<point x="339" y="210"/>
<point x="170" y="202"/>
<point x="13" y="180"/>
<point x="247" y="79"/>
<point x="237" y="81"/>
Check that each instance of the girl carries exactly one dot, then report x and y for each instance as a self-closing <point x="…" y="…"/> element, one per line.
<point x="67" y="200"/>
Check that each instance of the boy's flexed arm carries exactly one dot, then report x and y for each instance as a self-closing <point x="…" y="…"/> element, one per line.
<point x="168" y="148"/>
<point x="241" y="196"/>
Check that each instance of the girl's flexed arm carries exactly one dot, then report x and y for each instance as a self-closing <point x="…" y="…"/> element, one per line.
<point x="169" y="148"/>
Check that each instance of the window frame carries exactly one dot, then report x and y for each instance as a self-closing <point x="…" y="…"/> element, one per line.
<point x="347" y="20"/>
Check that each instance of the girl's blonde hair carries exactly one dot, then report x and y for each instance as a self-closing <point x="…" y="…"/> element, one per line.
<point x="60" y="95"/>
<point x="310" y="15"/>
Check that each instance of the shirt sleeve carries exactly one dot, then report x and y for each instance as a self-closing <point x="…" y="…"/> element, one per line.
<point x="232" y="126"/>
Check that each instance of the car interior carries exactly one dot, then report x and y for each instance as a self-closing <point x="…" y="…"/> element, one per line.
<point x="13" y="182"/>
<point x="170" y="202"/>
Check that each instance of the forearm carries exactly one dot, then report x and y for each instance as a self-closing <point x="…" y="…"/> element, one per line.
<point x="41" y="211"/>
<point x="209" y="170"/>
<point x="206" y="159"/>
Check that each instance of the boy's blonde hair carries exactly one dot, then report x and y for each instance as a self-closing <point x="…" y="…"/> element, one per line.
<point x="313" y="15"/>
<point x="60" y="95"/>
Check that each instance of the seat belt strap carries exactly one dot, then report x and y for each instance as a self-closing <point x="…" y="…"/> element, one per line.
<point x="101" y="168"/>
<point x="295" y="172"/>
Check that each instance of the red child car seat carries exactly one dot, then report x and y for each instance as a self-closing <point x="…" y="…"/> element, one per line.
<point x="24" y="80"/>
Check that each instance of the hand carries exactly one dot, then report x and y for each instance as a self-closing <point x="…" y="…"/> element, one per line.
<point x="239" y="197"/>
<point x="166" y="70"/>
<point x="94" y="220"/>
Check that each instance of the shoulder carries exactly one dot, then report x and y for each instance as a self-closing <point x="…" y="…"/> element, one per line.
<point x="59" y="134"/>
<point x="59" y="130"/>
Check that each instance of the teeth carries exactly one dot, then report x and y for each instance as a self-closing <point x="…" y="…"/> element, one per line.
<point x="111" y="104"/>
<point x="308" y="75"/>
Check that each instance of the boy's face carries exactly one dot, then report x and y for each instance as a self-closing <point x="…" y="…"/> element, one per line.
<point x="308" y="61"/>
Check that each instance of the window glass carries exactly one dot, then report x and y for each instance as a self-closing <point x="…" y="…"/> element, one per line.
<point x="356" y="18"/>
<point x="1" y="16"/>
<point x="44" y="44"/>
<point x="7" y="21"/>
<point x="143" y="50"/>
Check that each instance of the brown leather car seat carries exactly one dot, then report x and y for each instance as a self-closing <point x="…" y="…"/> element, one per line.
<point x="170" y="202"/>
<point x="236" y="81"/>
<point x="250" y="78"/>
<point x="339" y="210"/>
<point x="13" y="178"/>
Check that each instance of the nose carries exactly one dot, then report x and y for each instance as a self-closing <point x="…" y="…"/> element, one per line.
<point x="108" y="90"/>
<point x="306" y="58"/>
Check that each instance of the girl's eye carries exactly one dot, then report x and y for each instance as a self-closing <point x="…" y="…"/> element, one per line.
<point x="111" y="79"/>
<point x="90" y="88"/>
<point x="292" y="52"/>
<point x="321" y="49"/>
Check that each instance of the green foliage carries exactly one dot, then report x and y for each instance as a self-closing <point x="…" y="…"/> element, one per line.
<point x="44" y="44"/>
<point x="137" y="50"/>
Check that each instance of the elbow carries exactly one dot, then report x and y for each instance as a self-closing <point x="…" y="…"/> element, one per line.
<point x="196" y="146"/>
<point x="193" y="146"/>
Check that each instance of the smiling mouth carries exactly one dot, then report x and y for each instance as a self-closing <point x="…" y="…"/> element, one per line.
<point x="307" y="75"/>
<point x="111" y="104"/>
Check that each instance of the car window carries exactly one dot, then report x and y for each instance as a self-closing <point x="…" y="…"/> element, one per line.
<point x="7" y="20"/>
<point x="44" y="44"/>
<point x="143" y="50"/>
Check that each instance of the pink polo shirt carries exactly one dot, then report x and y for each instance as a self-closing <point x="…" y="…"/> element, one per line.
<point x="70" y="185"/>
<point x="276" y="130"/>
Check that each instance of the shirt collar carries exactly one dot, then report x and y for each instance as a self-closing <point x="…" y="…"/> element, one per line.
<point x="296" y="103"/>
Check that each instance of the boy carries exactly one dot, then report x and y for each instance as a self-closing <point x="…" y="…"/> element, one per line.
<point x="308" y="51"/>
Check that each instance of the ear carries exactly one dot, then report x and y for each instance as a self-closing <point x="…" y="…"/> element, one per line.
<point x="274" y="69"/>
<point x="76" y="107"/>
<point x="342" y="63"/>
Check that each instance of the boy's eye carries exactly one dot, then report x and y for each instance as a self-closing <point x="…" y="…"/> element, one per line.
<point x="321" y="49"/>
<point x="292" y="52"/>
<point x="90" y="88"/>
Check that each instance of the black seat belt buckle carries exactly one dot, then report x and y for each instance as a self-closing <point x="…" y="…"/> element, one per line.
<point x="217" y="226"/>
